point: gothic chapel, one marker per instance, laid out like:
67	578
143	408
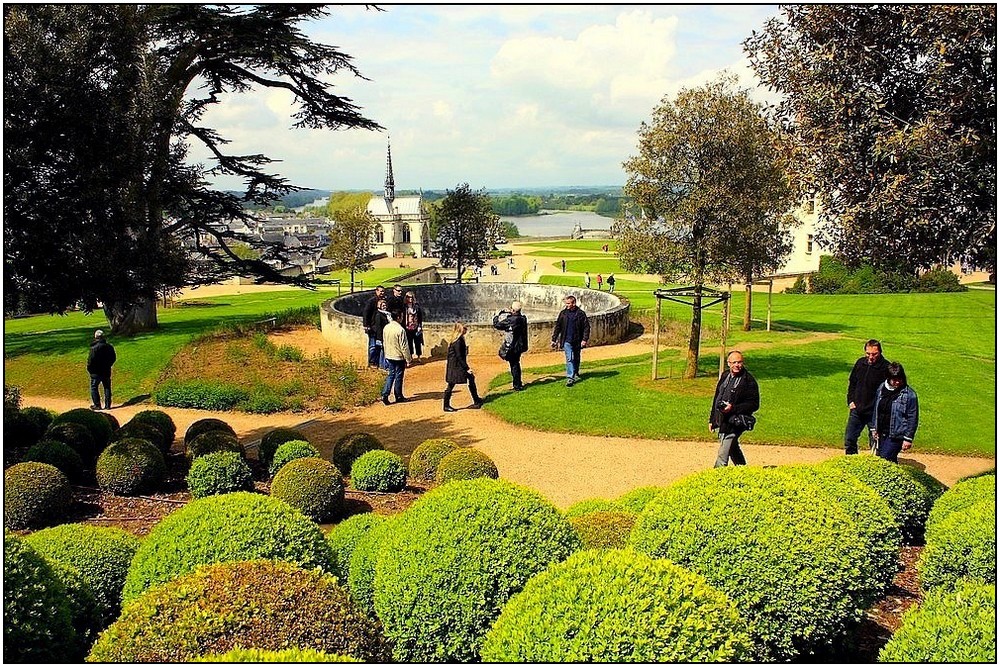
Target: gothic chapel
404	224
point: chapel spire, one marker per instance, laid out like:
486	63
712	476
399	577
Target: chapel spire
390	185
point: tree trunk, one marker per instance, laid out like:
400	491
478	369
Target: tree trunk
694	342
128	320
748	306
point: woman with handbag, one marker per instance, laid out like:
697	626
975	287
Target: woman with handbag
457	370
413	323
516	327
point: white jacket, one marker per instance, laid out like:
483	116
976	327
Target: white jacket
394	341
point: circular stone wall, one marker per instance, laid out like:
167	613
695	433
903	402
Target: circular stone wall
476	304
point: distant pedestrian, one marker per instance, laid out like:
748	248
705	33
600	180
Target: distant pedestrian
611	282
413	322
586	279
397	357
868	374
516	324
564	266
99	362
494	270
510	262
457	371
895	415
571	333
534	266
367	321
737	397
600	281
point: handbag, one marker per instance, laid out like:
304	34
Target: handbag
506	345
745	422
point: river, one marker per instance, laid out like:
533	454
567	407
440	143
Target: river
557	223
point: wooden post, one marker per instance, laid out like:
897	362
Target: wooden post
725	332
770	291
656	336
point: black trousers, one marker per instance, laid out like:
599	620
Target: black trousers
514	360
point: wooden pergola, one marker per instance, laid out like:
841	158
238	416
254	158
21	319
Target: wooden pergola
687	296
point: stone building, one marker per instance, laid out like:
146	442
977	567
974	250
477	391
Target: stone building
404	224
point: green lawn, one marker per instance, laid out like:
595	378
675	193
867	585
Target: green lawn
580	244
370	278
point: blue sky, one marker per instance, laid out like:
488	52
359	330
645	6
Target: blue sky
497	96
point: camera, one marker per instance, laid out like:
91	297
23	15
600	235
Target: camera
722	405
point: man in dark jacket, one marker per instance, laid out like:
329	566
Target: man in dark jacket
571	333
737	397
99	362
368	322
868	373
517	324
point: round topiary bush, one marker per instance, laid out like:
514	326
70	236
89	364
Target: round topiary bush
273	439
112	421
311	485
591	505
76	436
160	420
907	498
466	463
963	495
263	604
37	625
217	473
361	571
781	549
963	545
214	441
351	446
289	451
378	470
637	499
296	655
453	560
216	529
102	555
932	486
950	626
345	537
100	429
26	427
617	606
130	467
86	615
428	454
34	495
604	529
145	431
57	454
990	472
204	426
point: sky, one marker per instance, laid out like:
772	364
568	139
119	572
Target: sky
497	96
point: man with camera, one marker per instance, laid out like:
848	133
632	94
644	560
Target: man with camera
737	397
516	324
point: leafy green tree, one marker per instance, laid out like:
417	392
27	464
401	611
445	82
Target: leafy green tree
894	110
710	185
243	251
467	228
341	203
351	239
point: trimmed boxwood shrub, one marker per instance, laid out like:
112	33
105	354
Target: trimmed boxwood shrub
160	420
453	560
466	463
637	499
34	495
214	441
311	485
217	473
296	655
289	451
617	606
57	454
932	486
963	495
604	529
102	555
349	447
963	545
112	421
99	427
345	537
983	473
39	417
428	454
361	571
950	626
263	604
906	497
204	426
786	560
26	427
216	529
145	431
273	439
86	615
591	505
378	470
37	626
76	436
130	467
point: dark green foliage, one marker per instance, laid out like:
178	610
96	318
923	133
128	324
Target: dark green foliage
617	606
34	495
216	529
966	493
11	399
293	655
86	615
262	400
76	436
219	472
604	529
799	287
26	427
637	499
351	446
98	426
834	277
130	467
160	420
37	626
466	463
57	454
311	485
102	555
361	570
263	604
345	537
199	394
786	560
949	626
379	470
112	421
932	486
427	455
455	557
214	441
289	451
940	279
273	439
962	545
591	505
145	431
204	426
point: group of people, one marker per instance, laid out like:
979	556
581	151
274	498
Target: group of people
394	325
600	281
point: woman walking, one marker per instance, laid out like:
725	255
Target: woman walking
457	371
895	417
413	322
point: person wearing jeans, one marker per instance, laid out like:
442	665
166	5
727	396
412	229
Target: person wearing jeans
517	324
868	374
397	357
895	415
571	333
99	362
737	397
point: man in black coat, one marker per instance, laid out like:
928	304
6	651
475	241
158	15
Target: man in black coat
868	373
368	322
517	324
571	333
737	397
99	362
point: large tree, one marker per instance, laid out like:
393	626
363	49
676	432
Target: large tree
711	189
100	104
467	228
894	110
351	240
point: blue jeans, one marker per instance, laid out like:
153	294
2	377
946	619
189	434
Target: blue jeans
95	395
729	448
394	381
855	425
889	449
373	351
572	360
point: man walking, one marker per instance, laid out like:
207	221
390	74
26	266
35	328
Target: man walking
571	333
368	322
737	397
868	373
397	356
99	362
611	283
517	324
586	279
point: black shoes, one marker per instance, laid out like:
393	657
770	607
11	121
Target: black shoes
476	405
385	400
402	399
95	407
448	408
